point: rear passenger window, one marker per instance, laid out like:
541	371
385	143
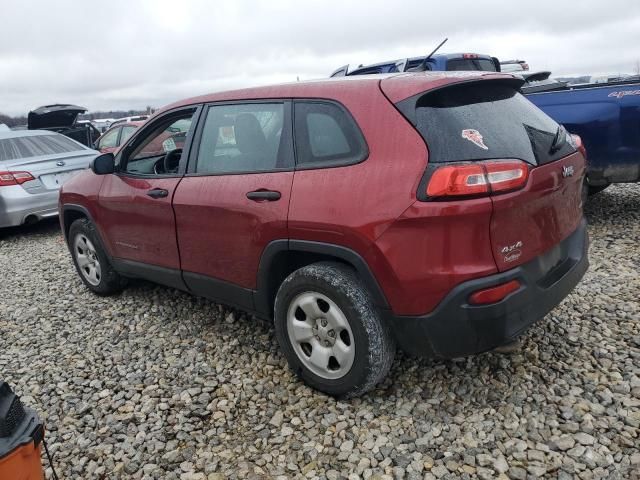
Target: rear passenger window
244	138
326	135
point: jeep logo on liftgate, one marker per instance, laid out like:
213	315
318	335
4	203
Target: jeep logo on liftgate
567	171
512	252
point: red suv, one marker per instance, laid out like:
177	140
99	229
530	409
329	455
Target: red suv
440	212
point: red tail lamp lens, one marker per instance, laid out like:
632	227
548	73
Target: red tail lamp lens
478	178
504	176
493	294
579	145
14	178
458	180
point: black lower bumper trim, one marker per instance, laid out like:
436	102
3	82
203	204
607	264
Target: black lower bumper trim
456	328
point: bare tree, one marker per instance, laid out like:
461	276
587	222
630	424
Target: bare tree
637	67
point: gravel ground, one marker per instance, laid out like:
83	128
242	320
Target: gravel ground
157	384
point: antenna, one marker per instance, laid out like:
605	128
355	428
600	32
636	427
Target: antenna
423	65
435	50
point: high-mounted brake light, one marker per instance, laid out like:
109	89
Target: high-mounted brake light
14	178
470	55
478	178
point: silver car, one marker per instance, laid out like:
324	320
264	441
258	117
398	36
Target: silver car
33	166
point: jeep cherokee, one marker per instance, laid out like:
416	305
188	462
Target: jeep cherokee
437	212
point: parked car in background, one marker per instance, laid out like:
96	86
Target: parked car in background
33	166
437	62
110	140
102	124
408	220
62	118
136	118
606	117
509	66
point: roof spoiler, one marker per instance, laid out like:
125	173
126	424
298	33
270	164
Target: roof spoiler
343	71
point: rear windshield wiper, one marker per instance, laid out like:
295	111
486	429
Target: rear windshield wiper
559	140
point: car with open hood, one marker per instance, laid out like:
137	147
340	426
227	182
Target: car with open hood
62	118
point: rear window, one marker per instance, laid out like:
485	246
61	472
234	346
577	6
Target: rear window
478	122
35	146
482	64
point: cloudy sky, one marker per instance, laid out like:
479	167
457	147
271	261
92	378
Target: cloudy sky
122	54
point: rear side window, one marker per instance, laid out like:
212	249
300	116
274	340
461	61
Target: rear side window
326	135
489	120
36	145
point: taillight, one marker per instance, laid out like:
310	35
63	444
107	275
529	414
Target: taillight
478	178
458	180
578	145
14	178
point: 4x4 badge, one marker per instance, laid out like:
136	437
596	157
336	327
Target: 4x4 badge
474	136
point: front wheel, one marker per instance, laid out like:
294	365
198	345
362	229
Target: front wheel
331	332
91	261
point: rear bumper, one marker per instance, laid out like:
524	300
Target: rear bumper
456	329
16	204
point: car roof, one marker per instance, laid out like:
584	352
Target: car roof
25	133
330	87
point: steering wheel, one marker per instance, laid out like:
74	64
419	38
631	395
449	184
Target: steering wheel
171	160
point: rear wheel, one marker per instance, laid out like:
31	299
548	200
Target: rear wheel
330	331
91	261
593	190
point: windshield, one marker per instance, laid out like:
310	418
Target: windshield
476	122
482	64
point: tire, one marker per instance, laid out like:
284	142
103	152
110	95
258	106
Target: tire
358	354
593	190
91	261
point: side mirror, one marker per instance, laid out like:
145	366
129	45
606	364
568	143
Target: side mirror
103	164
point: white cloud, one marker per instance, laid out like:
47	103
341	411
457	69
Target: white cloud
123	54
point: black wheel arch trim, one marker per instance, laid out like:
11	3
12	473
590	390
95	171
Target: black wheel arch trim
263	301
72	207
82	209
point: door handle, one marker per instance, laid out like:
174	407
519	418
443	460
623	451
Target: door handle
158	193
263	195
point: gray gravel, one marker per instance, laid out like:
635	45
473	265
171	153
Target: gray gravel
157	384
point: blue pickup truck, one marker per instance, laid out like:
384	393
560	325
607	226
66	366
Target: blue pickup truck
606	116
433	62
